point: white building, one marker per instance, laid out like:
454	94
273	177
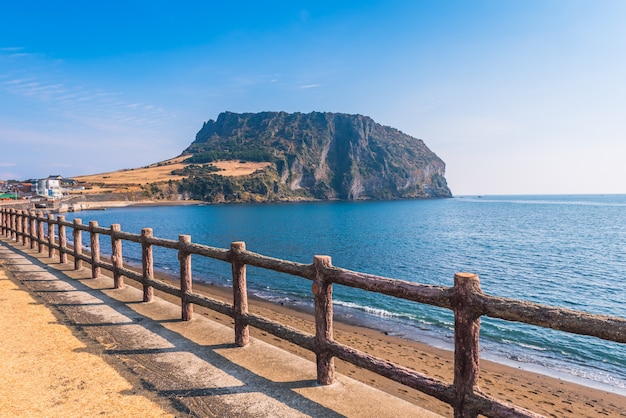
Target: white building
50	187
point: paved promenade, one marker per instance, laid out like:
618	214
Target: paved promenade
191	368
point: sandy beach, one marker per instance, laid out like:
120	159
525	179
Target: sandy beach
539	393
45	357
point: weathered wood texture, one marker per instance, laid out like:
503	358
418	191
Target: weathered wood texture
466	331
240	295
323	295
18	224
78	244
116	257
25	227
32	230
41	232
51	228
94	242
431	386
184	258
465	299
14	224
62	240
147	265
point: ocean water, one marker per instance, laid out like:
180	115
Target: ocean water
567	251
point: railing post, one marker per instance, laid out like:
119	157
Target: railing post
466	349
323	293
25	227
33	229
62	240
40	232
116	256
50	235
2	221
185	277
14	224
94	243
11	224
7	223
20	227
147	264
78	244
240	296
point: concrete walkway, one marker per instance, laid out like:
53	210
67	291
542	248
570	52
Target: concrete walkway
193	364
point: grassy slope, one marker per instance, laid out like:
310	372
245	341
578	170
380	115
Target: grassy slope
130	180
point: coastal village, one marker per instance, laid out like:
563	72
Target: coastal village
60	194
51	187
57	194
52	192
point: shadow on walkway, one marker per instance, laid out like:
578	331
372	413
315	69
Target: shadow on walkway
194	364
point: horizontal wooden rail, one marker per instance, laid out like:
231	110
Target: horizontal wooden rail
465	299
283	266
426	294
608	328
206	251
411	378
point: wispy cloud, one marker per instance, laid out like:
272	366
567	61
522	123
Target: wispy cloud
309	86
14	51
7	164
30	87
38	81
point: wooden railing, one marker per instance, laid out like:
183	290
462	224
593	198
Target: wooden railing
465	299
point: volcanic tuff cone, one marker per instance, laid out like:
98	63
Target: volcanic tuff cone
311	156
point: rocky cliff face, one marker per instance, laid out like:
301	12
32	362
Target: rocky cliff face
322	156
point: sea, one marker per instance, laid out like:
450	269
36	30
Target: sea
560	250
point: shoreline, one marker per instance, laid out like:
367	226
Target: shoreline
375	324
375	342
431	342
360	320
539	392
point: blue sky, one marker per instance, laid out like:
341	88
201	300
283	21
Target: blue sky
516	96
